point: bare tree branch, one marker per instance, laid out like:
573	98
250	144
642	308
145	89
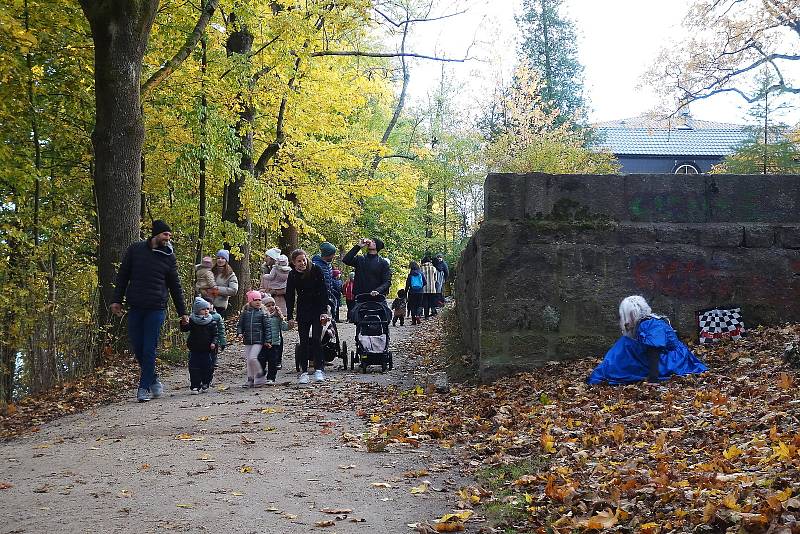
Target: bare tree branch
180	56
358	53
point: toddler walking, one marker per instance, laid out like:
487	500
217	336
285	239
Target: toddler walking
254	331
270	358
399	308
202	343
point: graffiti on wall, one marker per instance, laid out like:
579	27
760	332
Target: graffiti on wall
682	278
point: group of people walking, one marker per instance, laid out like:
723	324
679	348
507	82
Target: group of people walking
304	292
424	290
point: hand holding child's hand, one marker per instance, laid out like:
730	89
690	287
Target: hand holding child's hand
292	323
268	345
213	346
239	337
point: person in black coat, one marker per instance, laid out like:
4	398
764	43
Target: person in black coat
372	272
306	285
147	272
202	343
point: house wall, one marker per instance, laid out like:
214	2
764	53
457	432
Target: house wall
633	164
543	277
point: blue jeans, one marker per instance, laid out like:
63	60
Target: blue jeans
144	329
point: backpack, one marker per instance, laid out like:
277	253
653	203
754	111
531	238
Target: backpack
416	281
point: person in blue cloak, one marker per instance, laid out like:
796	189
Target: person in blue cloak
649	349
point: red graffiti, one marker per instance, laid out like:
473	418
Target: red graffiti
681	278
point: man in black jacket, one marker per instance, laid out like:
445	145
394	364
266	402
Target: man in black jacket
373	276
372	272
148	271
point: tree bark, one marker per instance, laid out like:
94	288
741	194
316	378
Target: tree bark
241	42
120	31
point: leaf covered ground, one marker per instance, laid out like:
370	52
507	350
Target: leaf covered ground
711	453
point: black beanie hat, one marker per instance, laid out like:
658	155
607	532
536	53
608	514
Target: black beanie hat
378	243
160	226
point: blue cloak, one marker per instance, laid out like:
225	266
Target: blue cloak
626	360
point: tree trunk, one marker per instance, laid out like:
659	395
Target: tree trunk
241	42
120	31
202	204
290	237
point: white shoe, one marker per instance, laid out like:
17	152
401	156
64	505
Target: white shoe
269	382
303	378
319	376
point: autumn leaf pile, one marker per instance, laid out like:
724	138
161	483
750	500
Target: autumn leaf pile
708	453
109	382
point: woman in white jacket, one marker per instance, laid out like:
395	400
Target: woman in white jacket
227	283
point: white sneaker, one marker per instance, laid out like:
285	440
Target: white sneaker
319	376
303	379
269	382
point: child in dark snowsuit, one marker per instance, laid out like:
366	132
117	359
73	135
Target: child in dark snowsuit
202	343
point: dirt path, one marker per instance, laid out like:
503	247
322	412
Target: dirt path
232	460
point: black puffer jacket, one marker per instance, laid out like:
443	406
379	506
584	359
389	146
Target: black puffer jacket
145	276
201	336
311	293
254	326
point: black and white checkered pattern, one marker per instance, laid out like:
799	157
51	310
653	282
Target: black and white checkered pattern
716	324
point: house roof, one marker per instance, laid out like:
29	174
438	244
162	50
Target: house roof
681	136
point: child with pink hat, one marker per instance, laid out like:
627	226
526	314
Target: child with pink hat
253	330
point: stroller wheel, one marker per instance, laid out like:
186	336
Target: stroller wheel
363	368
344	356
391	363
383	367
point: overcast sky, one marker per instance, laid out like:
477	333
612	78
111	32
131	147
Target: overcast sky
618	40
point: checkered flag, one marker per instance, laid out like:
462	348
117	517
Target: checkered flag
716	324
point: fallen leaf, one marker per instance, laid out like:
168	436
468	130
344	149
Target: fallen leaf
6	485
325	523
336	511
381	485
183	505
422	488
245	469
343	466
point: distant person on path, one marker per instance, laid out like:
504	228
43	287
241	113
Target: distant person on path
337	292
648	349
349	295
399	308
202	343
254	332
227	283
429	291
306	286
204	279
323	260
443	273
270	358
415	284
147	272
274	282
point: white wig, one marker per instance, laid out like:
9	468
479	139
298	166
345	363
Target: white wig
631	311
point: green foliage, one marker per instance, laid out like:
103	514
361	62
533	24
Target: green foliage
534	139
549	47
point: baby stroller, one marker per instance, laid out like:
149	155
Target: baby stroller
329	344
372	333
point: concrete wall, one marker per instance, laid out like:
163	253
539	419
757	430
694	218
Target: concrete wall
542	278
